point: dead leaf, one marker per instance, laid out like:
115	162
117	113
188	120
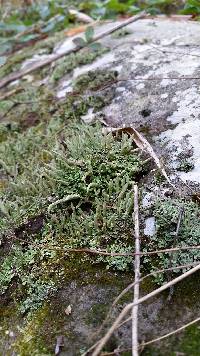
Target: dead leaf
29	78
141	142
68	310
75	31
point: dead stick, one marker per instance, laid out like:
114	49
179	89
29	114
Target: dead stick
137	275
126	290
10	93
129	306
17	75
102	252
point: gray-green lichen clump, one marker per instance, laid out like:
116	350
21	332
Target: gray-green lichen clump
75	191
166	212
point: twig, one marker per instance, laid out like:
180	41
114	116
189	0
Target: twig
147	276
17	75
129	306
102	252
175	249
10	93
137	275
154	340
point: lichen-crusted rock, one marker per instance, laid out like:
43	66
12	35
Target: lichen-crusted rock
158	67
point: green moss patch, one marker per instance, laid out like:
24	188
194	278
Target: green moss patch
94	80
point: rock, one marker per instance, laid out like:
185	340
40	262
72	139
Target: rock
158	88
150	227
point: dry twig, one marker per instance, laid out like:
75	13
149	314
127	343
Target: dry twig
105	253
137	275
141	143
171	333
10	93
80	16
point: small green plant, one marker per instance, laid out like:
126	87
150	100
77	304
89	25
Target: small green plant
94	80
191	7
87	41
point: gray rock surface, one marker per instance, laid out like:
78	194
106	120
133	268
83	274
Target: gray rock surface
158	67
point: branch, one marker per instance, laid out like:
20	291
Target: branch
102	252
10	93
17	75
137	275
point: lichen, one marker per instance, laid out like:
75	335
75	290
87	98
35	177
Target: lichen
166	213
98	169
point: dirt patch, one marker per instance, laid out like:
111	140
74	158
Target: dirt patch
33	226
32	119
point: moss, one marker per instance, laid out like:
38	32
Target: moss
27	108
94	80
190	344
121	33
31	340
38	331
185	166
35	105
67	64
44	46
186	343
